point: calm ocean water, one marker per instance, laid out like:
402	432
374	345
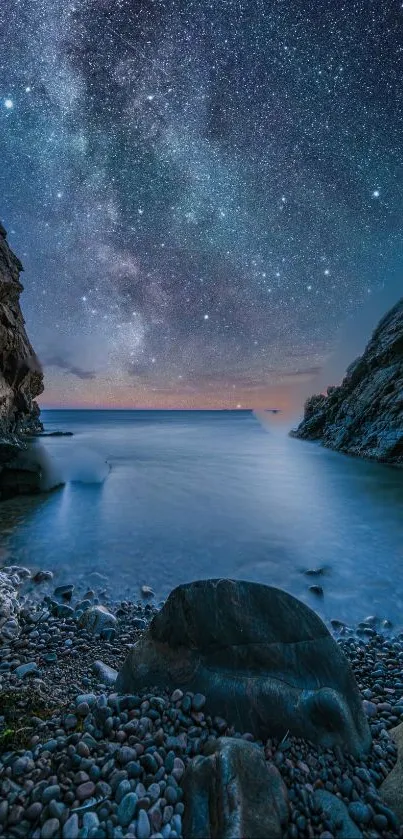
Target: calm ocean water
200	494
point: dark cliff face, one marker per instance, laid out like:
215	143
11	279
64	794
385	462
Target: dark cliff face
364	416
21	378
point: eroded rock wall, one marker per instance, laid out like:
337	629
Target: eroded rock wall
364	416
21	378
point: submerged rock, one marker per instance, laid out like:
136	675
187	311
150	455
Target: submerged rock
234	794
364	416
264	660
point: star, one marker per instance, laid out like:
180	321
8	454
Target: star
162	162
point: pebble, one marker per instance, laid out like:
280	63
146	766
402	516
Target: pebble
132	751
50	829
85	790
127	809
143	825
24	670
107	674
359	812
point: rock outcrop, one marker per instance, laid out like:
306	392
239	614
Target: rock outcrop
234	794
364	416
264	660
392	788
21	381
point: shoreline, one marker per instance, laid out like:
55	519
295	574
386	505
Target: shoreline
63	728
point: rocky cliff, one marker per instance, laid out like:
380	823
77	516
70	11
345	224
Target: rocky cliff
21	378
364	416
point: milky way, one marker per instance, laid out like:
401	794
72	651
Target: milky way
200	192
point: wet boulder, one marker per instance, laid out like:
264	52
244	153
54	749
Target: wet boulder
264	660
233	794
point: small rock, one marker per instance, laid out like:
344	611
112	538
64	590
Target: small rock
96	619
50	829
106	674
147	591
359	812
198	701
29	669
42	577
71	827
127	809
318	590
85	790
337	814
143	825
370	708
66	592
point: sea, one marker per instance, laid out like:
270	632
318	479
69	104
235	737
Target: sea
160	498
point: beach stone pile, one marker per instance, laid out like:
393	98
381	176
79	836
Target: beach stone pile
11	579
79	759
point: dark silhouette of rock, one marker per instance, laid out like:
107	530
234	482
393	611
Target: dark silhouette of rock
364	416
21	381
234	794
264	660
391	791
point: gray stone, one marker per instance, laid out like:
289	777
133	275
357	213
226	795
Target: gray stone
107	675
266	662
24	670
50	829
96	619
64	591
360	812
71	827
127	809
90	821
87	698
52	792
233	793
337	814
143	825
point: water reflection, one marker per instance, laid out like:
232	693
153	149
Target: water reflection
195	495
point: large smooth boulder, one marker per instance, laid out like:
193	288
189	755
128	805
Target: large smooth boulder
265	661
234	794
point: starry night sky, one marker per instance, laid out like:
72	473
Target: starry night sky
200	192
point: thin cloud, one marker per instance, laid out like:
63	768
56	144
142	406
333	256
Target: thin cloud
63	364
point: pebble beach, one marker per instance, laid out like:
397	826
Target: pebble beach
77	760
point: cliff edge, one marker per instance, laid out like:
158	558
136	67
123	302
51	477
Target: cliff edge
364	416
21	381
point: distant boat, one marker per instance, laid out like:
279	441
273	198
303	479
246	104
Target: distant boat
272	411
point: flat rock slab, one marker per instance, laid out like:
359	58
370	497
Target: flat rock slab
234	794
264	660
